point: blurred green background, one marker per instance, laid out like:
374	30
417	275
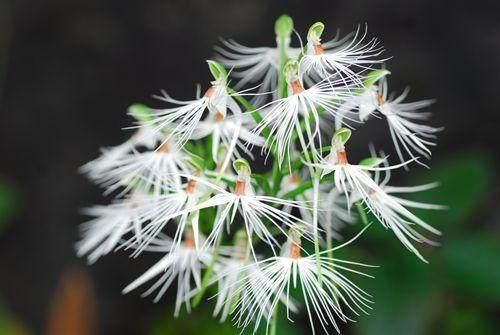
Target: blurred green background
69	69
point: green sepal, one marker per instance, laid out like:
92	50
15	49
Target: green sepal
371	161
373	76
241	166
140	112
218	71
315	31
342	135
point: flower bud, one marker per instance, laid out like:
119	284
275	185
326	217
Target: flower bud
141	113
291	71
283	26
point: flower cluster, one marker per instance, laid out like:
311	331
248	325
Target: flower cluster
184	187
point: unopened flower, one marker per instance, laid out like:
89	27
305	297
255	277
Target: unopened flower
329	296
183	263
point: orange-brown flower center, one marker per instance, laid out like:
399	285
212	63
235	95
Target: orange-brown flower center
189	241
209	92
318	49
295	250
296	87
163	148
219	116
342	157
191	185
380	100
240	187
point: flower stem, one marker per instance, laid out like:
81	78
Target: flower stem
208	274
362	213
274	322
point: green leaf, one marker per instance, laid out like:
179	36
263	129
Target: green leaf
463	185
405	299
9	325
471	264
9	204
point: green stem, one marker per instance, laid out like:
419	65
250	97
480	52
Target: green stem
249	107
302	188
282	85
362	213
274	322
207	276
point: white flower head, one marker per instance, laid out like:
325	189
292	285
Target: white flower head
175	207
106	162
392	211
102	234
283	116
233	133
155	170
346	61
333	211
255	210
328	297
183	263
407	133
180	122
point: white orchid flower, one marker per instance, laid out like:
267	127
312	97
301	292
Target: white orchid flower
183	263
332	297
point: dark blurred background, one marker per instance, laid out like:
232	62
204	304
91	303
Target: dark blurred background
69	69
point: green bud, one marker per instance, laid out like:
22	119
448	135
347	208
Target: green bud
291	70
373	76
242	167
371	161
241	237
141	113
283	26
218	71
341	136
315	32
